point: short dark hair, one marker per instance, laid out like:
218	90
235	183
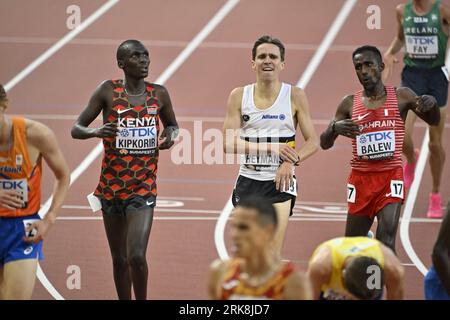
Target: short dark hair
356	276
268	39
2	93
124	46
371	49
265	209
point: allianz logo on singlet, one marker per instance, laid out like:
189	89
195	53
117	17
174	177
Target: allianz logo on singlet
273	117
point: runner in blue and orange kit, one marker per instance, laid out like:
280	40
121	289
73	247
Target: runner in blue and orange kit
23	145
132	109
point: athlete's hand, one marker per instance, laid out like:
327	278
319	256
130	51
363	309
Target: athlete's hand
108	130
167	137
10	199
285	152
346	128
284	177
37	231
425	103
389	61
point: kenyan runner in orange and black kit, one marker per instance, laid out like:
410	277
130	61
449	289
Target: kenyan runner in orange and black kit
132	109
131	159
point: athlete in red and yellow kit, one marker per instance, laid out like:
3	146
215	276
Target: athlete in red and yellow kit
374	119
132	109
256	271
23	145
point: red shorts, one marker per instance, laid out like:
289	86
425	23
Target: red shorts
369	192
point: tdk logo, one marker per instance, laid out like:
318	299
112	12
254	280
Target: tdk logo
8	185
377	136
138	132
273	117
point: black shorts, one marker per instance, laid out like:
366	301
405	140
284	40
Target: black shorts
427	81
246	187
122	207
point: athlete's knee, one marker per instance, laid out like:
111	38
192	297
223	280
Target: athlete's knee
436	148
120	262
137	260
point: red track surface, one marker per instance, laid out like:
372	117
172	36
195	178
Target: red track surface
180	250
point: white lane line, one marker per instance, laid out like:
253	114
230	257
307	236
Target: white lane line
219	235
409	207
326	43
210	26
220	15
58	45
412	195
29	69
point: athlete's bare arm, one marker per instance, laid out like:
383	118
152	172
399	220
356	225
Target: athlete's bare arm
424	106
303	118
298	287
168	119
445	15
216	273
44	140
100	100
396	45
394	273
441	258
232	143
319	271
340	125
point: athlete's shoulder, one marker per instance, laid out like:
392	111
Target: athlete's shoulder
444	10
237	92
235	98
297	92
400	8
219	266
38	133
107	85
217	272
105	89
157	87
347	102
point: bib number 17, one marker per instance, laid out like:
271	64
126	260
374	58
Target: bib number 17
397	189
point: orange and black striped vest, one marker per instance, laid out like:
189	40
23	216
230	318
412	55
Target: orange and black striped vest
130	160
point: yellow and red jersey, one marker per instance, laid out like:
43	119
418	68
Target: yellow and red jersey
233	287
18	173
